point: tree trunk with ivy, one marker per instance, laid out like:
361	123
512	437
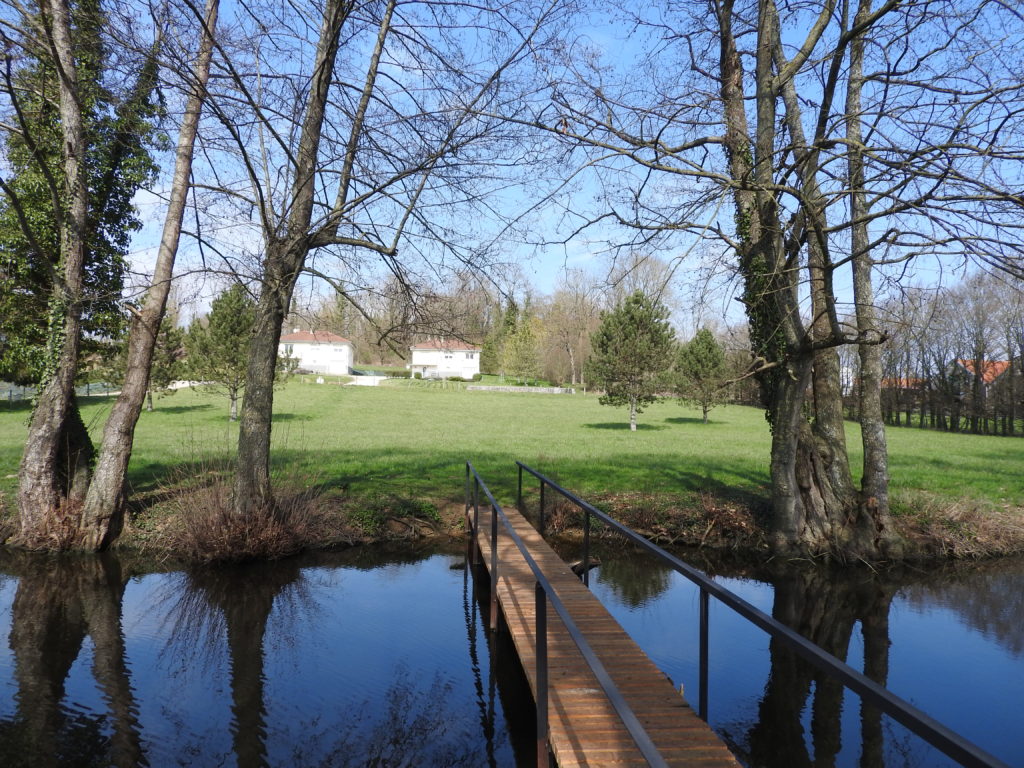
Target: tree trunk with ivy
54	471
815	509
103	514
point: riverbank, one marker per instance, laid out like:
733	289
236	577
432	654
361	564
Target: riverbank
363	464
194	525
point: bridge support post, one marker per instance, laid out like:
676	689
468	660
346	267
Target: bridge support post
541	602
702	701
494	568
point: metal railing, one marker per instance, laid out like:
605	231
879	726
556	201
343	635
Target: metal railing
935	733
544	593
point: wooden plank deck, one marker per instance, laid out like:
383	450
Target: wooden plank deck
584	728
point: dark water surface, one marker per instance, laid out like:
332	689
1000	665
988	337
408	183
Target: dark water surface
350	659
377	657
950	641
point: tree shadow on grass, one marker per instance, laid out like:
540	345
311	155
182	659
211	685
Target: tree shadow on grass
292	417
439	475
620	425
14	406
690	420
181	408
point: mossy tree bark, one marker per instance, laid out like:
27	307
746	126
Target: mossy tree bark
815	506
103	513
46	491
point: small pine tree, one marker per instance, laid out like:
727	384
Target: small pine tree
633	348
166	366
218	350
701	372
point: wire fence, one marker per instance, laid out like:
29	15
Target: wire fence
12	394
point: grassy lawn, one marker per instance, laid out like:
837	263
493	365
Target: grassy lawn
414	440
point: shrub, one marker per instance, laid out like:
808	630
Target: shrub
477	376
417	375
205	529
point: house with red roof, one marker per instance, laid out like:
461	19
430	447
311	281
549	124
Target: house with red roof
442	358
990	369
318	352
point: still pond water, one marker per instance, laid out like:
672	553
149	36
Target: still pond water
377	657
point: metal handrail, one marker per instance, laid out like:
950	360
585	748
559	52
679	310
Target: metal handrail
544	592
932	731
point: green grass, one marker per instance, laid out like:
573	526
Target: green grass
413	440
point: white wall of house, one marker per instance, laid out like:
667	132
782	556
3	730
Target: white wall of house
326	354
442	363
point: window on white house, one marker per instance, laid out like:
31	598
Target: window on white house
469	355
288	349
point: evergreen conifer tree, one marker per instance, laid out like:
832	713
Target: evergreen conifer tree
218	349
701	371
633	348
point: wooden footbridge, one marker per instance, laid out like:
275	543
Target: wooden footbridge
600	700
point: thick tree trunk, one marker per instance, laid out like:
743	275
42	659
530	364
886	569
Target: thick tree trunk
284	259
43	500
826	378
252	492
874	507
814	501
103	515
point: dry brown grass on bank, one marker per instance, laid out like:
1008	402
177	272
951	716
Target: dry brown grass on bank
686	519
933	527
936	527
201	526
191	520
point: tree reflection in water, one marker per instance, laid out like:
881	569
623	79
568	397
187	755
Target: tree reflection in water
821	604
635	581
253	666
207	605
824	607
417	728
60	601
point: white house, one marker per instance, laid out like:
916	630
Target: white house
441	359
318	351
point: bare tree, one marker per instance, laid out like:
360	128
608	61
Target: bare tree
104	503
569	317
350	133
725	105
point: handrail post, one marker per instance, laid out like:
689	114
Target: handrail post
541	601
586	547
494	568
476	520
541	515
702	701
519	489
